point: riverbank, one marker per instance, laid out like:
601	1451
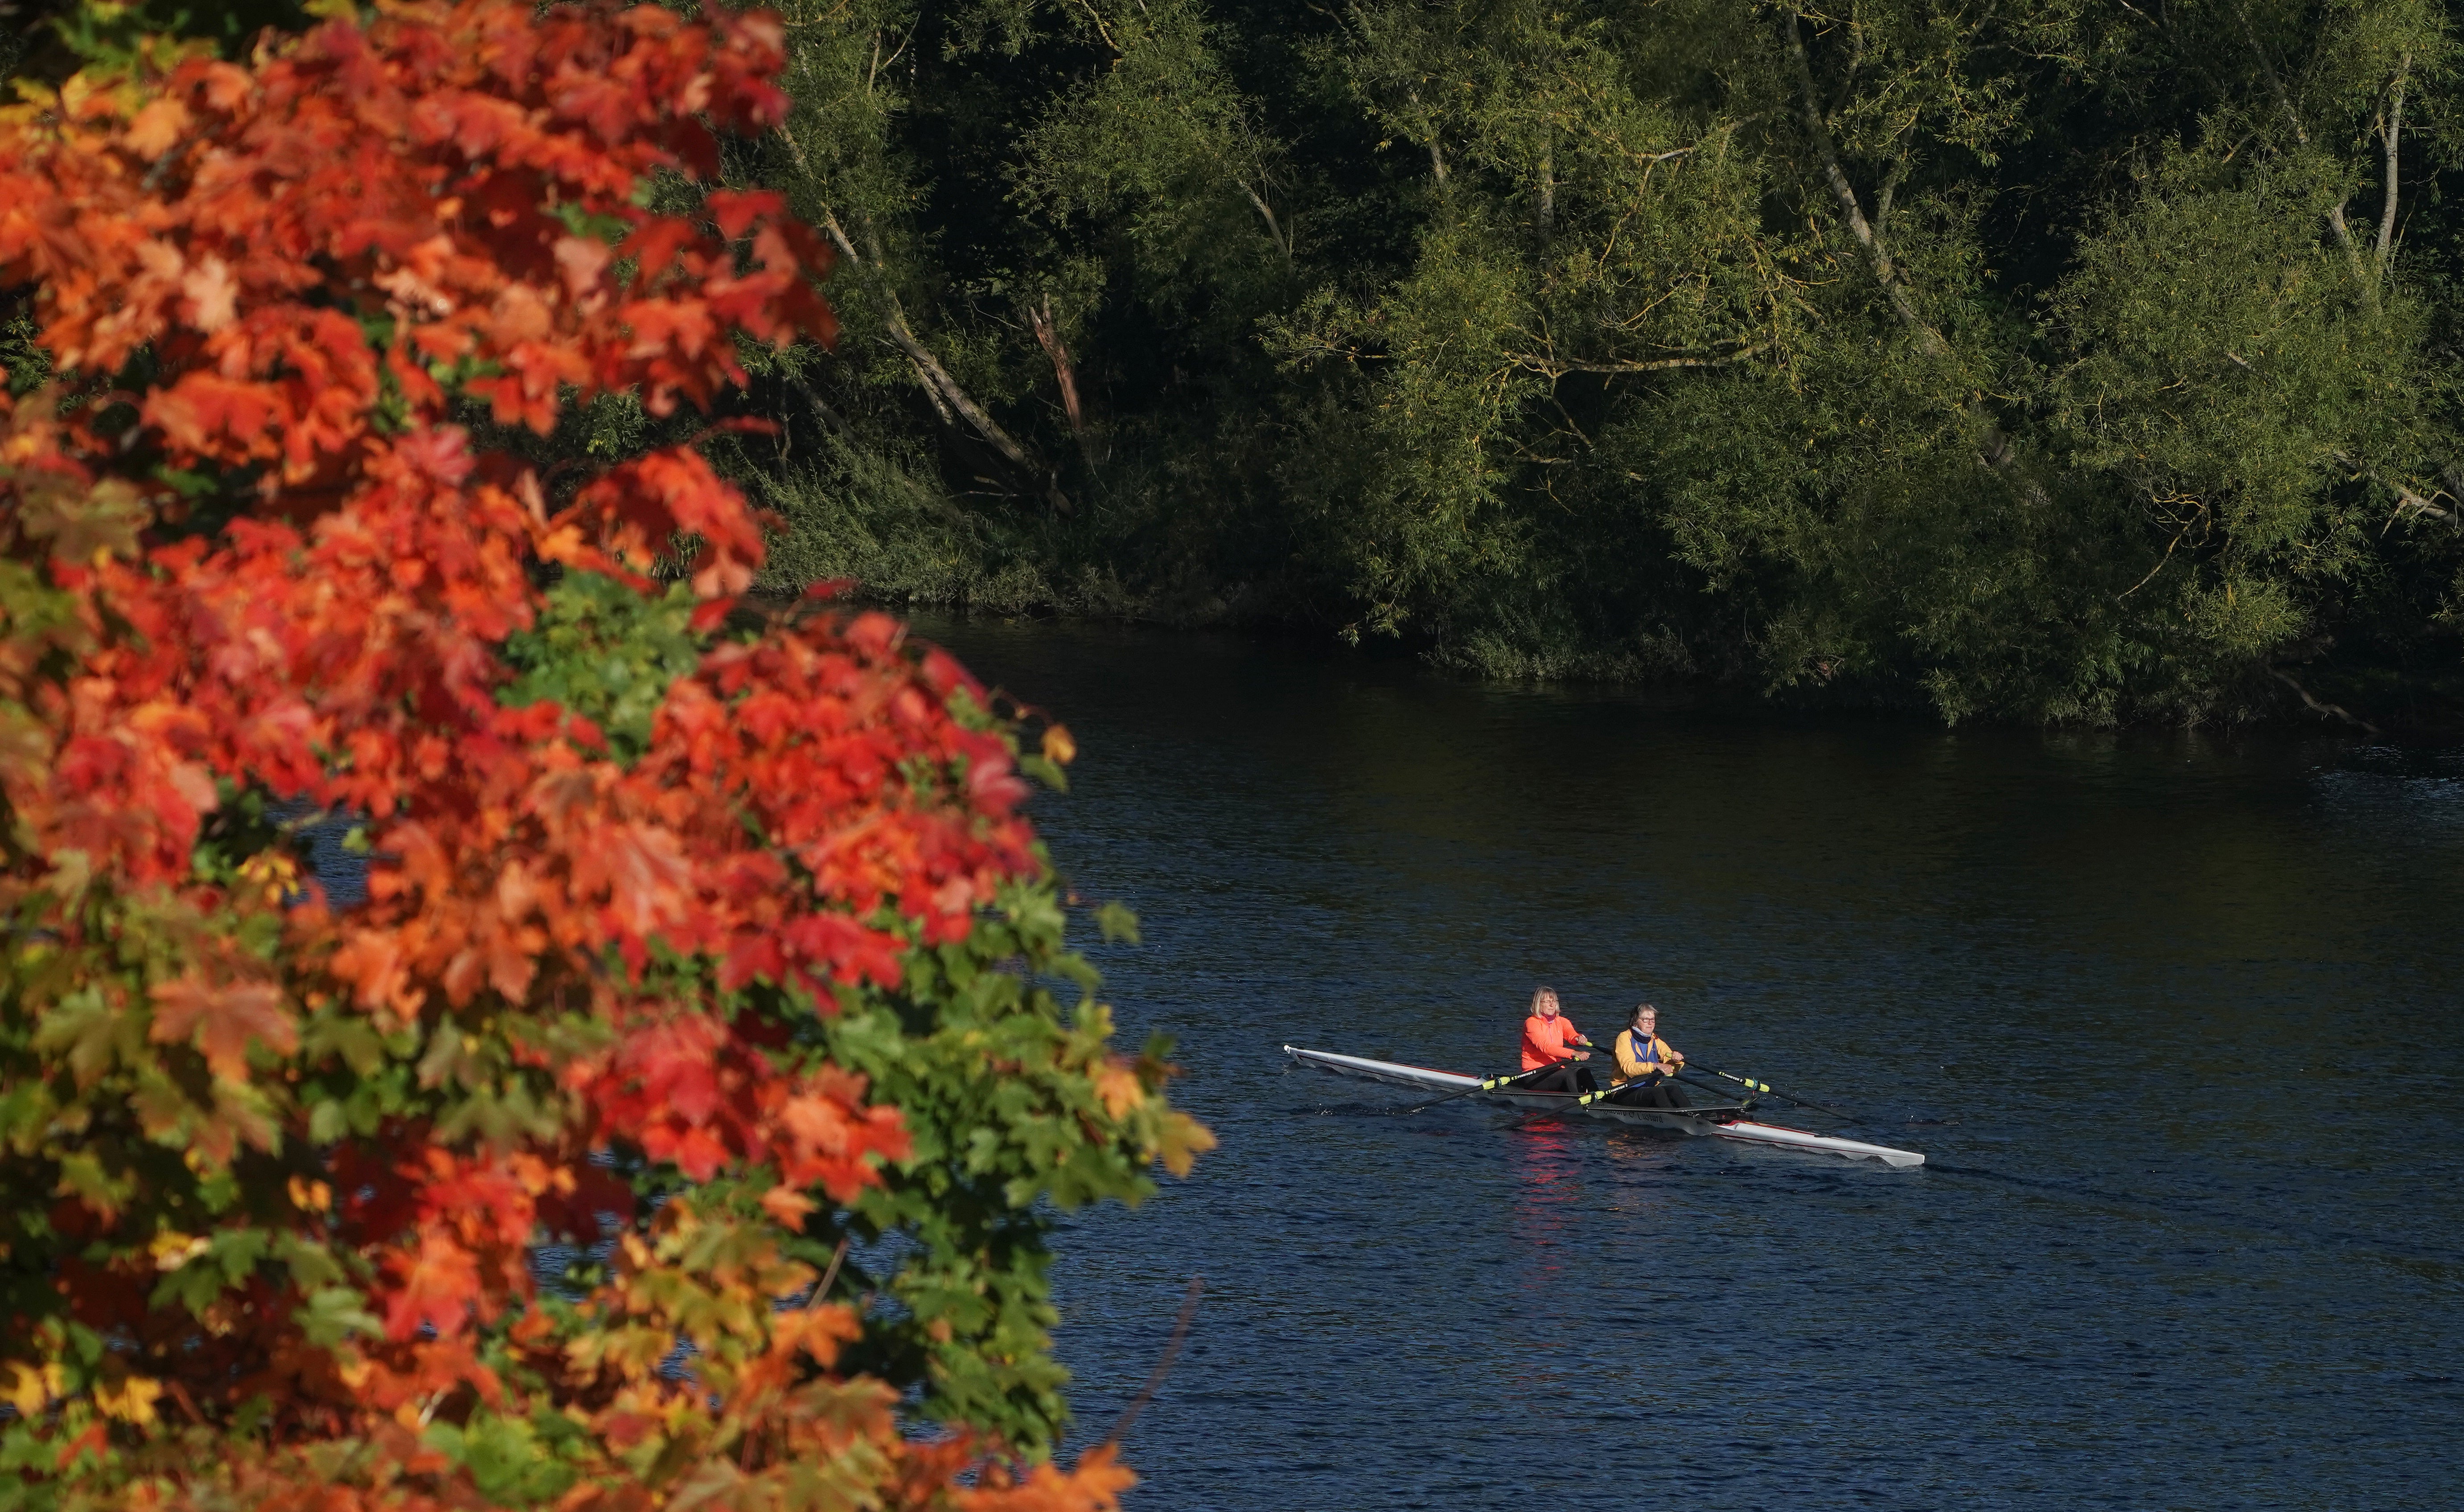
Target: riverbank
2362	702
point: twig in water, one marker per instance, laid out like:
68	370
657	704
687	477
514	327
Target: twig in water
1164	1366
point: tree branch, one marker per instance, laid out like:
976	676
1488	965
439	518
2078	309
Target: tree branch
2407	500
1878	253
2319	706
2393	129
1101	29
1437	158
945	390
1049	337
1993	448
823	411
1883	198
1558	367
2300	135
1275	231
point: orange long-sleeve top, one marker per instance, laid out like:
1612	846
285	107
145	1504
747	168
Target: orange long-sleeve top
1547	1042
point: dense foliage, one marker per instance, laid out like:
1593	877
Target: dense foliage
707	950
2077	359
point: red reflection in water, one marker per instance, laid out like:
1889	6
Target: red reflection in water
1548	1192
1545	1223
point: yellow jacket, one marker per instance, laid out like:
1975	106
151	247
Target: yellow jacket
1635	1060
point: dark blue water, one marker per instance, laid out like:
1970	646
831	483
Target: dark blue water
2180	1015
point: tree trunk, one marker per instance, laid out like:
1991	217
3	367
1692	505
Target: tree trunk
2390	133
945	391
1993	446
1049	337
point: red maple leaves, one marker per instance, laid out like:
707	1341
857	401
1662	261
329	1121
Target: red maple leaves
260	556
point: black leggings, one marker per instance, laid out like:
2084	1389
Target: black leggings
1651	1091
1563	1077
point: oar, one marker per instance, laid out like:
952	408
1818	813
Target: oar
1486	1085
1750	1085
1603	1094
1717	1090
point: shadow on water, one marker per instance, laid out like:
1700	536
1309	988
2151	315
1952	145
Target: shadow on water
2173	1018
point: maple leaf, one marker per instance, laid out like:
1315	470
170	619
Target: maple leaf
213	294
79	522
1118	1087
223	1019
156	127
436	1285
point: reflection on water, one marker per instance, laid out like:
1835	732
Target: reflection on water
2173	1018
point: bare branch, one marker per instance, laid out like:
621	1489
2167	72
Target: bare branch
2407	500
2159	567
880	62
1103	31
942	389
1890	187
2300	135
1848	77
1558	367
830	223
1878	254
823	411
1049	337
2319	706
1275	231
2392	130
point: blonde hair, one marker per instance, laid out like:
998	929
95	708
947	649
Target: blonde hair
1540	993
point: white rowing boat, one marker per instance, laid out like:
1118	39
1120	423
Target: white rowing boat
1724	1121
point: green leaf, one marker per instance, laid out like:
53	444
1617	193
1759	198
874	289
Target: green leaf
607	653
334	1314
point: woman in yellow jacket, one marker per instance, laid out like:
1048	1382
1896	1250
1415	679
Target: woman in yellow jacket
1647	1065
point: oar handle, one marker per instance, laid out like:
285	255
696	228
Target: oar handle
1589	1098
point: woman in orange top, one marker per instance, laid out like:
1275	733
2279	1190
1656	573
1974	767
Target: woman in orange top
1550	1039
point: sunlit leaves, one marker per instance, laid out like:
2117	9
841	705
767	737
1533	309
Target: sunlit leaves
283	1166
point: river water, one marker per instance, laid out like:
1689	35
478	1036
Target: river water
2173	1018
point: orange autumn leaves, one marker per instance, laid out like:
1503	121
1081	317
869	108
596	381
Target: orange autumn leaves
274	1173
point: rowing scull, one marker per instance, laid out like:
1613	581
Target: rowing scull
1725	1120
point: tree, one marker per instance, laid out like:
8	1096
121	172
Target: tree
708	943
1886	351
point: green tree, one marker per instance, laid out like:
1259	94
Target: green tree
2072	361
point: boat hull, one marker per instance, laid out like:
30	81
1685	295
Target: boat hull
1721	1123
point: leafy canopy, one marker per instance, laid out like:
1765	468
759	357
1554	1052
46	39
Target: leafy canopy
2017	358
